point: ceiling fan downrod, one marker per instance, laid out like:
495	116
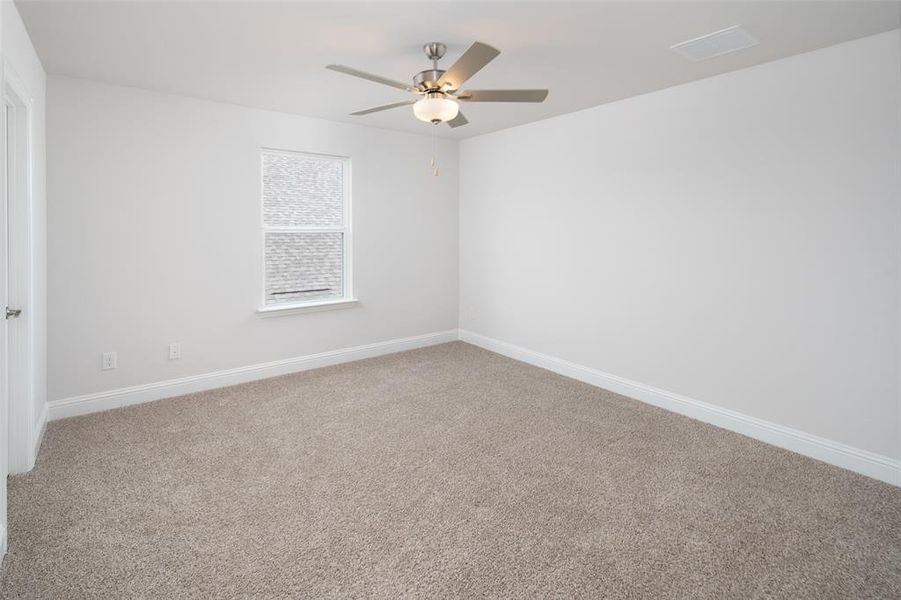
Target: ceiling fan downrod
426	82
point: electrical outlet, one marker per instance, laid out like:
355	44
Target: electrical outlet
174	351
110	361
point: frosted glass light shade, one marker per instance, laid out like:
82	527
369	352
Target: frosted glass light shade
436	109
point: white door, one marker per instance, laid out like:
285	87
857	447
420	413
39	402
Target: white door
4	331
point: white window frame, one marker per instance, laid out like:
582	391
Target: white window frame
348	299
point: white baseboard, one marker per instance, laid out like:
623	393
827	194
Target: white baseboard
841	455
2	542
89	403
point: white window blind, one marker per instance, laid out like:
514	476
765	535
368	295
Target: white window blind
306	236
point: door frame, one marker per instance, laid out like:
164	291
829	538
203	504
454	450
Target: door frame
20	281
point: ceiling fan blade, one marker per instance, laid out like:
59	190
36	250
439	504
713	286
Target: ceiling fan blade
477	56
376	78
458	120
502	95
380	108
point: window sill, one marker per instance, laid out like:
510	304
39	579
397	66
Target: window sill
308	307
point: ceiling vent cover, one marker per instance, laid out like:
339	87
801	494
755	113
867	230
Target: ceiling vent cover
717	43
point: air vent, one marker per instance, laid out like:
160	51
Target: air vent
717	43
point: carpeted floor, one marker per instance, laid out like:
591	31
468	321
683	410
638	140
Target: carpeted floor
443	472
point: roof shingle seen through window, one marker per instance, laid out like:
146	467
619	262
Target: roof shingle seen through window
303	266
301	191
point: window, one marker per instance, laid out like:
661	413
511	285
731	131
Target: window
306	229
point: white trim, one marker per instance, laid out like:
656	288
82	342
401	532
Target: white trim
293	309
40	428
89	403
841	455
304	229
2	542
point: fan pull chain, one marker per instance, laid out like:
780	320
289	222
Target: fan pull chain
434	163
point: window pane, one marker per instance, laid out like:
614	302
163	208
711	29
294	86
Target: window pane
303	266
301	191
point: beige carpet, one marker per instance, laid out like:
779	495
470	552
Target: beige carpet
442	472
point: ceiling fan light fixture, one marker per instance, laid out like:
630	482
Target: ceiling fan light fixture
436	108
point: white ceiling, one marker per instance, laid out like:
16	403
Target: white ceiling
271	55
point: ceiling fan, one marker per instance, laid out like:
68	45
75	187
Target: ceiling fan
439	92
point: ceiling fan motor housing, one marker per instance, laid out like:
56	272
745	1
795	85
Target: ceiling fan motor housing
427	81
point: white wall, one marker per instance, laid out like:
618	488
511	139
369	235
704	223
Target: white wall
735	240
21	64
154	229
